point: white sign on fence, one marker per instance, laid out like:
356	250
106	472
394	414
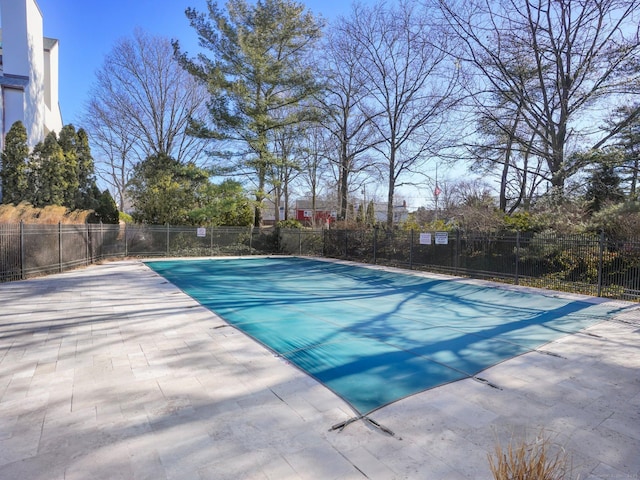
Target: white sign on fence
201	232
442	238
425	239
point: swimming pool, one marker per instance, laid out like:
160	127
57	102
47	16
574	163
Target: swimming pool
375	336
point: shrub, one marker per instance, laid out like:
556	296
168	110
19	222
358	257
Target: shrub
519	221
291	223
125	217
621	220
539	459
563	216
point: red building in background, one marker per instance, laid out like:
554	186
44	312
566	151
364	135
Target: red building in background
324	214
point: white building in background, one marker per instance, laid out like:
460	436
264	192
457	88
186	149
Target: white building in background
28	72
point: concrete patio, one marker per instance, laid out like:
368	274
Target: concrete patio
110	372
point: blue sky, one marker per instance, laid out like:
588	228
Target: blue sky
87	30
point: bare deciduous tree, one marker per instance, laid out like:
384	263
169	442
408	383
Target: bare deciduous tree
411	83
558	62
140	106
498	153
348	117
285	167
316	149
114	146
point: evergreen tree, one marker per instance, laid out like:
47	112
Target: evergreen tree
603	187
371	214
629	141
59	171
14	164
259	76
360	214
47	179
106	208
81	193
88	197
68	143
165	191
224	204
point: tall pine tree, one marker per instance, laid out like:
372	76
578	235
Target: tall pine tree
259	76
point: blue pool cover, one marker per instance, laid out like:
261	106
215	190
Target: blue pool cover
374	336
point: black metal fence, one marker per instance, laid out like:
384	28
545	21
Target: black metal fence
27	249
589	264
31	249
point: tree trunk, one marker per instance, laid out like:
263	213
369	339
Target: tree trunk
344	180
392	184
634	180
504	178
257	222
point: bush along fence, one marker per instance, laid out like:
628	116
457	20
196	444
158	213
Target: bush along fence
588	264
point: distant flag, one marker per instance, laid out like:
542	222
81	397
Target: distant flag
437	191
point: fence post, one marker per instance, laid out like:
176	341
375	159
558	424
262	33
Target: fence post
346	242
375	244
600	262
211	244
167	239
59	246
126	242
300	241
411	251
87	250
21	249
517	255
456	264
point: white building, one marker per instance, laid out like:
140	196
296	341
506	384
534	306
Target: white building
28	72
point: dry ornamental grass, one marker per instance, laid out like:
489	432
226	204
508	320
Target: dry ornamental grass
49	215
540	459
